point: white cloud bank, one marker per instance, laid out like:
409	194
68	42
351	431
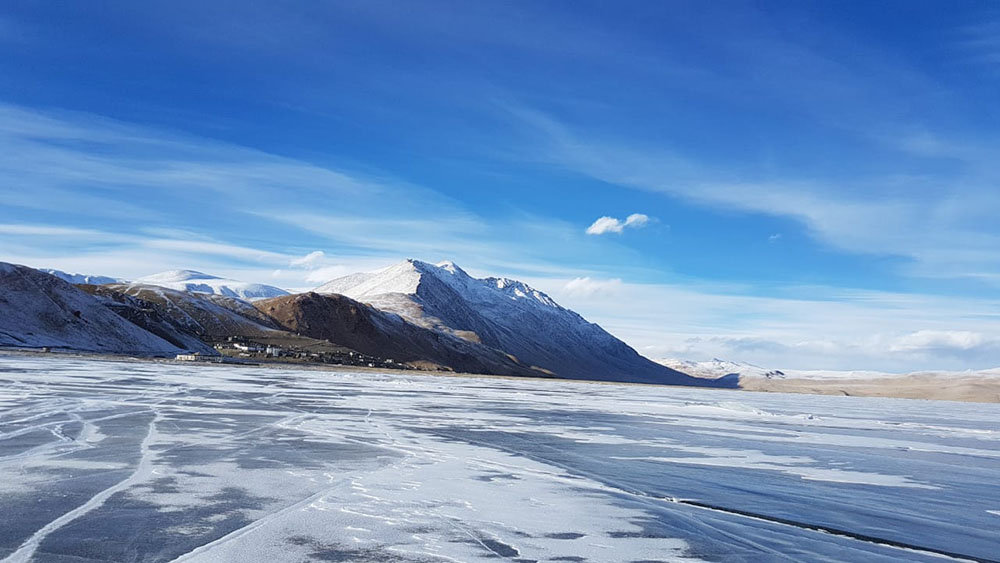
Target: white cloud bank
604	225
812	327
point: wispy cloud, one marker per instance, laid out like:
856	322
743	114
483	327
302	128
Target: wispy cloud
822	130
588	287
935	222
132	171
310	259
981	42
227	208
46	231
198	247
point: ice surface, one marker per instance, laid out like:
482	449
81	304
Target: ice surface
114	461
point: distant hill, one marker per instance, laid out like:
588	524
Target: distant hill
81	278
720	368
198	282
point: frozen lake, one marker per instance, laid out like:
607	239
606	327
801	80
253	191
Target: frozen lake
111	461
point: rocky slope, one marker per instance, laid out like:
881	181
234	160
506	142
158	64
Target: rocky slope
208	317
38	309
506	315
148	316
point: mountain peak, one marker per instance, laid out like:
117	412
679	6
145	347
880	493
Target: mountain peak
503	314
407	276
436	269
403	277
450	267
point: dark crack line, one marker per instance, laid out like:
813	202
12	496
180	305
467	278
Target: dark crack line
829	530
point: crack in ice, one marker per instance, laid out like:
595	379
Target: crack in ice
143	470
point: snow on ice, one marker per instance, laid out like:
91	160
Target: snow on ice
162	462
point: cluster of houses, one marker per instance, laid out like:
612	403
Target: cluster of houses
238	347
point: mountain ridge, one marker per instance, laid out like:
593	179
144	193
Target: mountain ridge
430	316
199	282
81	278
504	314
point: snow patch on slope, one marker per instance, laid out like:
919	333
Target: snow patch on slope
718	368
81	278
504	314
197	282
405	277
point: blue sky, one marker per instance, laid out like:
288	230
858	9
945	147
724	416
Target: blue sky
821	180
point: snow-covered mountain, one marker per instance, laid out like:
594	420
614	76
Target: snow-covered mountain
197	282
504	314
38	309
81	278
719	368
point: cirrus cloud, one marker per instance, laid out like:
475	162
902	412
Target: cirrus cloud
308	260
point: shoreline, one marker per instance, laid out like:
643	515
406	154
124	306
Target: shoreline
127	358
966	389
970	389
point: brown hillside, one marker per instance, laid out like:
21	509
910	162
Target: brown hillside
346	322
